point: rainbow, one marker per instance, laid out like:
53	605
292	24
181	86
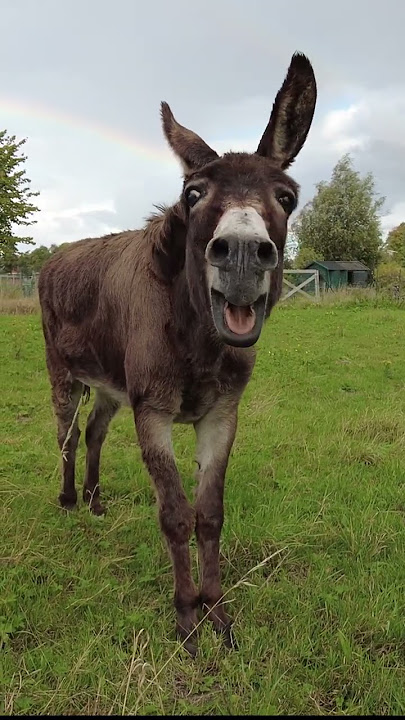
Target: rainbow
161	155
47	114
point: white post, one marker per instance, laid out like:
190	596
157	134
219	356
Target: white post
317	291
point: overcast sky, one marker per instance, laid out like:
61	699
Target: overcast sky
83	82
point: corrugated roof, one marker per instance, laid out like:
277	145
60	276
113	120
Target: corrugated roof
340	264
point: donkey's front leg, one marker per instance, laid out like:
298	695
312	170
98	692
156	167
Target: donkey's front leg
177	517
215	436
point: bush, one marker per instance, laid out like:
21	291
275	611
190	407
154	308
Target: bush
390	279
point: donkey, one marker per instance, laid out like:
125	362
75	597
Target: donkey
165	319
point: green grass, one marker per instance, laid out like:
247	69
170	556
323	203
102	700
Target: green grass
316	482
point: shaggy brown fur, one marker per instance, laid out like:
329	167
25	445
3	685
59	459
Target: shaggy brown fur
129	315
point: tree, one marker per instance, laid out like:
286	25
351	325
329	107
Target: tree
32	262
341	222
15	194
395	245
289	250
305	255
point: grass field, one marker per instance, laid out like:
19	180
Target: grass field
313	542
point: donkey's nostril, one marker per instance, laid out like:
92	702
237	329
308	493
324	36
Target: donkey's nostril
219	250
267	254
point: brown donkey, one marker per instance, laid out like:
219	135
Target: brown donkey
164	319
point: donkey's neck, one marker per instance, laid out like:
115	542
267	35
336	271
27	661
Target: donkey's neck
194	329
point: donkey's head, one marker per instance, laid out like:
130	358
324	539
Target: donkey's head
237	207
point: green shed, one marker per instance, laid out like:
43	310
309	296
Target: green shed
334	274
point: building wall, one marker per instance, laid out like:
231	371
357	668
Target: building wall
334	279
360	278
338	278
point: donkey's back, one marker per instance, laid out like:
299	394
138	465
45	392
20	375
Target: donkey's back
77	282
93	296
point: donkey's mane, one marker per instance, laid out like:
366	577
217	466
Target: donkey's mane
160	225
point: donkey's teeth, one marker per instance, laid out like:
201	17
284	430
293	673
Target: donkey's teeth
240	320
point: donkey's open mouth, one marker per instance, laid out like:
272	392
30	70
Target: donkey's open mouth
238	325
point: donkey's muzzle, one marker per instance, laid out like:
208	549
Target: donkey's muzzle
239	280
240	258
242	254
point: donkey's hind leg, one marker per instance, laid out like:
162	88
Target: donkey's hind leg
99	419
66	392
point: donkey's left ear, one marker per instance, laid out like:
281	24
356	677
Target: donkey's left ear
292	114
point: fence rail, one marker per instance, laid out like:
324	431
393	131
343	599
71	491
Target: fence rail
15	284
313	277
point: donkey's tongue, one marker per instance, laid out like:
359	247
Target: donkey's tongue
240	320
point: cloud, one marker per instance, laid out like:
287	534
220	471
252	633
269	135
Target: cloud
57	223
393	218
338	132
219	70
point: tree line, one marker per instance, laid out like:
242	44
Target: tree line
341	222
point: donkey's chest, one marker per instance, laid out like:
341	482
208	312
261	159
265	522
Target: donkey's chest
199	393
201	388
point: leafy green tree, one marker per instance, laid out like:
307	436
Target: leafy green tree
32	261
342	221
38	257
305	255
395	245
23	264
15	195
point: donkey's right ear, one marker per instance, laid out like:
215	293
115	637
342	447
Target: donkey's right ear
191	150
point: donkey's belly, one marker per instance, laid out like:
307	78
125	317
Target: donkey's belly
195	402
188	418
105	387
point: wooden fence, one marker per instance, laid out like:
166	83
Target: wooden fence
15	284
293	289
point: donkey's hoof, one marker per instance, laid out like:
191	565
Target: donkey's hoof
97	509
228	636
93	503
68	502
188	641
229	639
191	648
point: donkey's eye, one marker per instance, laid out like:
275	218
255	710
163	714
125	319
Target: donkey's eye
192	196
286	201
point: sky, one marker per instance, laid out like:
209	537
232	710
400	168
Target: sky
83	81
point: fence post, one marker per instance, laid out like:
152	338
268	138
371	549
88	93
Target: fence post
317	290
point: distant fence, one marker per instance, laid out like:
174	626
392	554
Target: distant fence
308	279
306	283
14	284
